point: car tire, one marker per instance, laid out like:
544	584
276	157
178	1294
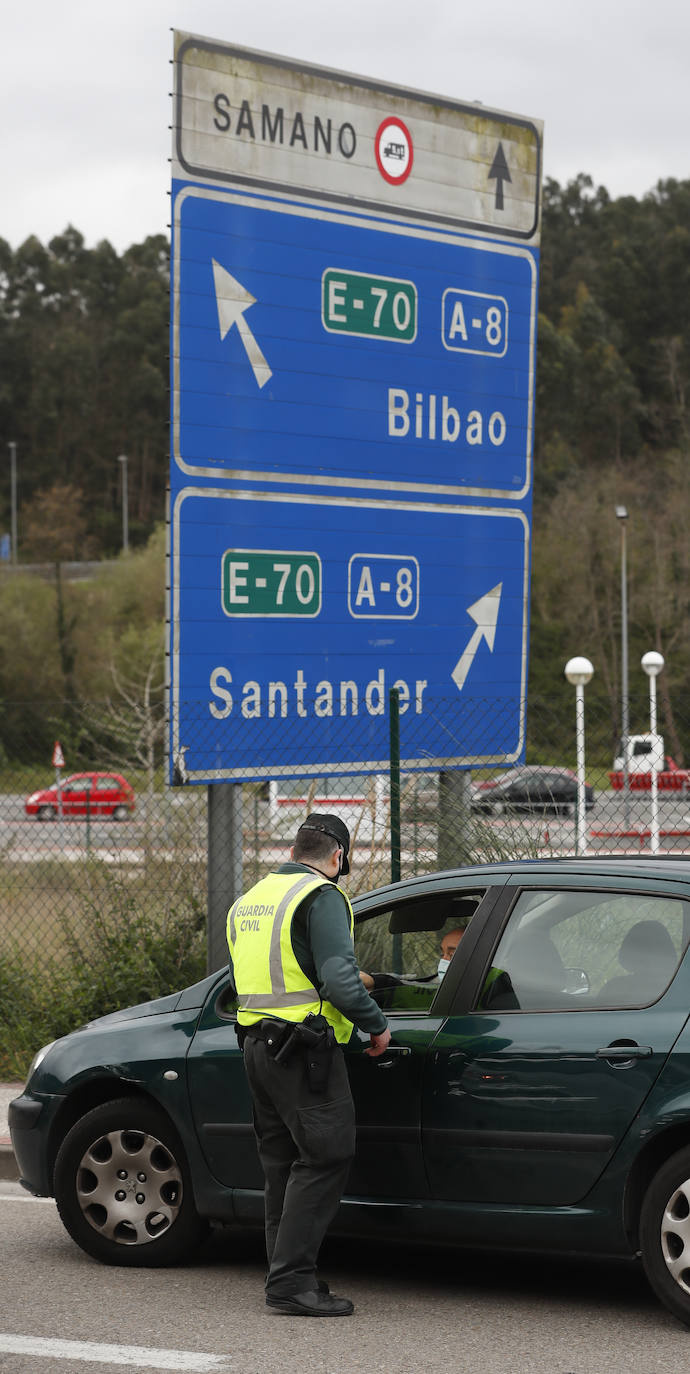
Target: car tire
664	1234
123	1188
46	813
120	813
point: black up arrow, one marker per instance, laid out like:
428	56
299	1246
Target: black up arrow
499	173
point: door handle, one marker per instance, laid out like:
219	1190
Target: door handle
385	1060
623	1054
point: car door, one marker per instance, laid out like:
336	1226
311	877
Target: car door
553	1045
399	939
74	797
105	795
562	791
532	791
545	791
219	1093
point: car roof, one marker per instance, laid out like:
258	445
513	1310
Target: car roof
677	867
103	773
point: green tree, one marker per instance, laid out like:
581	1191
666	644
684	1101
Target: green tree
83	361
54	527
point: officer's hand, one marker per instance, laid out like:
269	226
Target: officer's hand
379	1043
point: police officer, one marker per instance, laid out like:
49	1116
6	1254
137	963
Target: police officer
299	993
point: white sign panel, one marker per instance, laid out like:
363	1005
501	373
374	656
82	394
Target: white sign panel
293	128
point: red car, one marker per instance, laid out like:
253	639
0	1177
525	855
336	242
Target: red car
101	794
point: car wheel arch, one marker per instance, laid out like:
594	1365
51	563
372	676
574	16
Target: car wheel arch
647	1163
95	1092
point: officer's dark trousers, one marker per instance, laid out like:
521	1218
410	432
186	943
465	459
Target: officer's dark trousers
306	1141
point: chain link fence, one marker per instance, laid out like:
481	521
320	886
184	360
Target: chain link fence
108	896
90	850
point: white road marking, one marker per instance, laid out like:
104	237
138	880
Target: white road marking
138	1356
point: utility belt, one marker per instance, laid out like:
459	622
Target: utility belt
313	1037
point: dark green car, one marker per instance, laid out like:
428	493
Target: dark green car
536	1095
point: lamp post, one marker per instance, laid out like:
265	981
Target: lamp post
122	458
622	516
579	672
13	498
653	664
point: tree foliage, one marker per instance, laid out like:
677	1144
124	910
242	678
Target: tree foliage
104	700
83	362
612	427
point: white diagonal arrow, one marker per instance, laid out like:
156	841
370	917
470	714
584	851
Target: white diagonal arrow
485	613
232	300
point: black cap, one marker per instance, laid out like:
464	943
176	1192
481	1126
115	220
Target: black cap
333	826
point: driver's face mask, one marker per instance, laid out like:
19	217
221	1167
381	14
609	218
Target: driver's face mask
443	965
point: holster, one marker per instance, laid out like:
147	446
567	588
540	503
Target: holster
315	1038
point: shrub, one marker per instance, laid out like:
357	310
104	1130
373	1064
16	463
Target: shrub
118	958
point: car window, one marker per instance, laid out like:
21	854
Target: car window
556	785
401	947
570	950
105	784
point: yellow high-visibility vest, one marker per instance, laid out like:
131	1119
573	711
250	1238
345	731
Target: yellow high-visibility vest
268	978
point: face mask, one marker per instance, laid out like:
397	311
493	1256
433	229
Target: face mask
442	966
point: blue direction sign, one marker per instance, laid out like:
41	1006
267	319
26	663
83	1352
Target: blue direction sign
314	348
294	615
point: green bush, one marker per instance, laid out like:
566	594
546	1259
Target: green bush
119	958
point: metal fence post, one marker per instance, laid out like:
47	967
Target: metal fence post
454	818
394	707
224	874
394	714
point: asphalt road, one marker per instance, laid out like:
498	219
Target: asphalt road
23	837
415	1310
611	828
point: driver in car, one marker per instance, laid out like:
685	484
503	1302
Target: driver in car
373	982
449	944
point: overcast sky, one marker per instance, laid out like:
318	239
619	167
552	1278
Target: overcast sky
85	107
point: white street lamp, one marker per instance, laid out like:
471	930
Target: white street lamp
653	664
122	458
579	672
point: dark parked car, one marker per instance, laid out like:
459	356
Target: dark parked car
82	794
537	789
535	1097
